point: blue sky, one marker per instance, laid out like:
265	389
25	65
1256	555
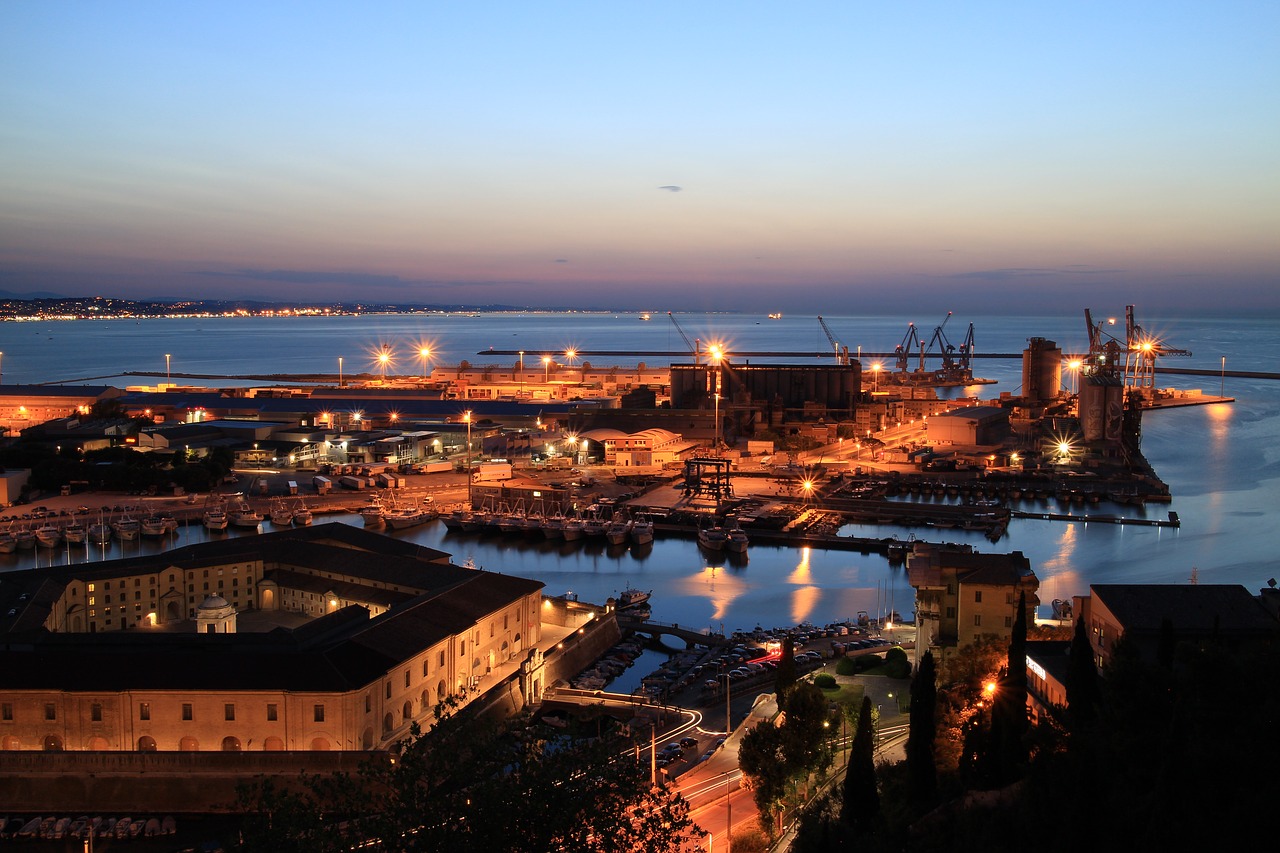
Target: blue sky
761	156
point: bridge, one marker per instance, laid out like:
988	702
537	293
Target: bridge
691	636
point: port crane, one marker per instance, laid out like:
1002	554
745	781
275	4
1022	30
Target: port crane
693	348
1140	351
841	352
952	368
910	342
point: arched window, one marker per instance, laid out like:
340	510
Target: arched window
230	744
388	723
441	691
426	700
407	710
10	743
273	744
189	744
52	743
146	743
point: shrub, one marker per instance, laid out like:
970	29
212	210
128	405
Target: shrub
897	663
846	666
824	680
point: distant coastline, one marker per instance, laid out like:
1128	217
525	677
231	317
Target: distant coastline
106	308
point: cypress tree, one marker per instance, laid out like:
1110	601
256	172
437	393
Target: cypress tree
861	807
1083	690
922	768
785	674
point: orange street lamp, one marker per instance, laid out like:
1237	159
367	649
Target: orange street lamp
424	353
875	374
546	369
383	358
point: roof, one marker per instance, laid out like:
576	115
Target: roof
1198	608
54	390
974	413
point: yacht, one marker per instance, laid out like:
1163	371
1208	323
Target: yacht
243	515
302	516
48	535
372	513
617	531
215	517
736	541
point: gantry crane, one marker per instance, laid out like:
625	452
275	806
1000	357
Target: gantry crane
1141	352
903	352
952	368
841	352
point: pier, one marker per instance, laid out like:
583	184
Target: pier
1173	520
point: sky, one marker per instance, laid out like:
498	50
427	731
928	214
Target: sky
754	156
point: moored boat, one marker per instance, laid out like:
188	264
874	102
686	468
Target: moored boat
736	540
712	538
153	527
281	515
553	527
641	531
572	530
25	537
632	597
617	531
215	517
74	533
48	536
243	515
126	528
302	516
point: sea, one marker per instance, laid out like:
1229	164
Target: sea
1219	460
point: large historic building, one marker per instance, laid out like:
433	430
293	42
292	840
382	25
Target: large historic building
150	653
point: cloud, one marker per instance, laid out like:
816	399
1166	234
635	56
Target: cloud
562	260
671	188
1009	273
354	279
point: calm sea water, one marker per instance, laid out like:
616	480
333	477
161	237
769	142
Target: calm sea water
1220	460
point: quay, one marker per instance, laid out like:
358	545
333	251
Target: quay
1173	520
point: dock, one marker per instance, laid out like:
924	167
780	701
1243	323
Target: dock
1100	518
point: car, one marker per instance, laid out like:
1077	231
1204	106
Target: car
689	742
13	611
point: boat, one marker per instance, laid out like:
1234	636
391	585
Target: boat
8	544
553	527
633	597
531	525
48	536
126	528
736	541
153	527
641	531
281	515
712	538
617	531
776	315
475	522
215	517
454	519
99	532
593	528
510	523
25	538
402	518
572	530
372	513
301	515
74	533
243	515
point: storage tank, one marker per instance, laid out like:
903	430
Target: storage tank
1041	370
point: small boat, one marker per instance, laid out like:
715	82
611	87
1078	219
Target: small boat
593	528
302	516
454	519
281	515
243	515
48	536
553	527
372	513
402	518
74	533
475	522
617	531
8	544
215	517
641	531
712	538
632	597
126	528
510	524
736	541
154	527
25	538
572	530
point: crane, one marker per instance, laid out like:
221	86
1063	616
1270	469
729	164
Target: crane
842	353
944	345
909	343
690	344
1141	351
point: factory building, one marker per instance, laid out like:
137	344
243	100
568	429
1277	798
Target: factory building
771	394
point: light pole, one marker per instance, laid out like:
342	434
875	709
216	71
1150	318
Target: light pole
467	417
521	373
424	353
715	353
716	433
546	370
383	358
168	380
1222	388
2	367
339	371
875	375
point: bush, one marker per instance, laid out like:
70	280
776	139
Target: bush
846	666
897	663
825	681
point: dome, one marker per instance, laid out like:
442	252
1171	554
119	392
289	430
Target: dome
214	602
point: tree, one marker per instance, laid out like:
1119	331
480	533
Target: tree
922	771
861	806
468	785
785	674
1083	690
805	729
1007	750
762	757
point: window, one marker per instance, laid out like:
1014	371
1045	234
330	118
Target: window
424	667
442	657
144	710
406	678
186	711
318	711
1008	598
368	702
977	596
388	689
1008	621
6	712
951	613
91	587
462	649
137	581
137	595
50	711
229	711
272	715
977	620
95	712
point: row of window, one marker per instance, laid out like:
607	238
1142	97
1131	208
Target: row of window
144	712
173	578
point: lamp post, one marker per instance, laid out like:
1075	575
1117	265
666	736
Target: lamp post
383	358
875	375
168	380
424	353
339	371
2	367
521	373
546	369
467	417
716	354
716	434
1222	389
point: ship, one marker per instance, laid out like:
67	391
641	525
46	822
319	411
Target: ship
642	531
632	597
712	538
736	541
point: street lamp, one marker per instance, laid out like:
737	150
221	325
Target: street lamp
875	375
339	371
167	377
383	358
716	433
1074	366
424	353
521	373
467	418
546	369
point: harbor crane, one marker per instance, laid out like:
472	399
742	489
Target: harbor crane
693	348
1140	350
910	342
952	368
841	352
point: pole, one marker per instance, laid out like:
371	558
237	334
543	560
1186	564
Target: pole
168	379
1222	388
339	371
728	813
467	417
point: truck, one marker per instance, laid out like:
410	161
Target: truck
389	481
437	467
351	481
488	472
323	484
293	487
